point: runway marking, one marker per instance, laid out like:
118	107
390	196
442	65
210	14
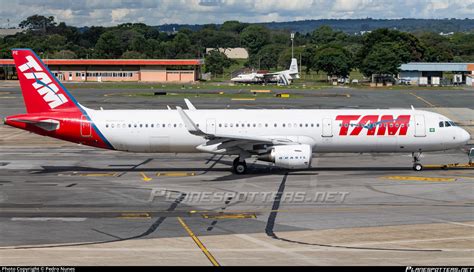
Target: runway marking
413	241
229	216
198	242
175	174
420	178
243	99
145	177
143	215
451	222
260	91
96	174
424	100
453	165
43	219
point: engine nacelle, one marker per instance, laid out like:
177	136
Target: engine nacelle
290	156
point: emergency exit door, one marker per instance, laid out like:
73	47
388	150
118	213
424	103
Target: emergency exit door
327	127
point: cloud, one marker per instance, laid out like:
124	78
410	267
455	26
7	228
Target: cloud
156	12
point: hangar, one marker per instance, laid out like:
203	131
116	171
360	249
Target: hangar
101	70
433	73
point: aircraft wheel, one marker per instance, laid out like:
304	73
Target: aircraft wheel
417	167
240	168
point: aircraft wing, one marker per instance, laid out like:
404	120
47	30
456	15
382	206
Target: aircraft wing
229	140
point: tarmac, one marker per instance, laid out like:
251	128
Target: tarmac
66	204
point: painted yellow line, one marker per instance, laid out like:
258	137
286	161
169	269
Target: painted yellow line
198	242
424	100
175	174
420	178
145	177
229	216
243	99
135	216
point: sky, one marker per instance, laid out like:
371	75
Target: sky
157	12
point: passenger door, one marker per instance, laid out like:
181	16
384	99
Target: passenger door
420	129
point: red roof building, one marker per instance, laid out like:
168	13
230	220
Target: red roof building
101	70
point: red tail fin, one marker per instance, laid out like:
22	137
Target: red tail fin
42	91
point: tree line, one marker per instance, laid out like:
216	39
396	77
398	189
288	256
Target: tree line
324	49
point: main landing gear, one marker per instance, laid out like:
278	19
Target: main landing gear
239	167
417	166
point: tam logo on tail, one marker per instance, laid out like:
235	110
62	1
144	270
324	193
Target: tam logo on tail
41	90
43	83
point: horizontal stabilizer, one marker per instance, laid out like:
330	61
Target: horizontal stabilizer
48	124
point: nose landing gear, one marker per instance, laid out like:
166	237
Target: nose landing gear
417	166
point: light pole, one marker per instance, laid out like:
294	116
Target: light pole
292	38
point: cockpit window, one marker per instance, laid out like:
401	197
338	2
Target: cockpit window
441	124
452	123
447	124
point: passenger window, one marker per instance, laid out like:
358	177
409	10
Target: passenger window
129	125
441	124
275	125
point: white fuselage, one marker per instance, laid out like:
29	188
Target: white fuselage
164	131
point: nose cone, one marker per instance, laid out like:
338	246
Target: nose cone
465	136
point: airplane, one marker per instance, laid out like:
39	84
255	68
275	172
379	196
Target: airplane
281	77
287	138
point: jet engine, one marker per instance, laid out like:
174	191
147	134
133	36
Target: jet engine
289	156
